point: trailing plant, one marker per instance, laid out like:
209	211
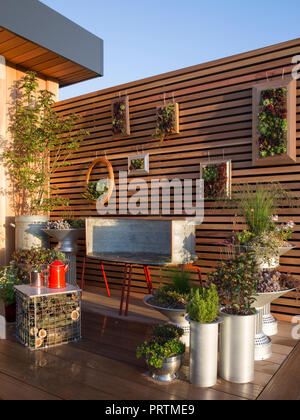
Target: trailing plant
9	277
166	121
215	180
236	281
37	258
119	117
95	190
272	122
176	294
39	135
204	304
163	344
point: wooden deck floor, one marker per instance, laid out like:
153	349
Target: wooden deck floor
103	365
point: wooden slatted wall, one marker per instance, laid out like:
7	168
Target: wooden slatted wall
215	119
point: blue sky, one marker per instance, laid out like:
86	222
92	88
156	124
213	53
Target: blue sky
145	38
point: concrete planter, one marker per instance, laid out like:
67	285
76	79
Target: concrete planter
204	353
29	232
237	348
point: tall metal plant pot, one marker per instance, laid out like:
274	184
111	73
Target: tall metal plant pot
237	348
176	317
67	243
204	353
29	232
169	370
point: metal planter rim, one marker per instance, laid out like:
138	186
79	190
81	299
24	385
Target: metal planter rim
218	320
224	314
160	308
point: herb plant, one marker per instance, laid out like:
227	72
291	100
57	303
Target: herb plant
272	122
39	135
163	344
204	304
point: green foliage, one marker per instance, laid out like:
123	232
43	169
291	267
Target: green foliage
138	164
165	125
215	181
9	278
204	304
95	190
272	122
163	344
236	281
38	135
176	294
37	258
167	332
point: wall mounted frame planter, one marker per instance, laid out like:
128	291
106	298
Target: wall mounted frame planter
138	164
167	120
120	117
217	179
274	102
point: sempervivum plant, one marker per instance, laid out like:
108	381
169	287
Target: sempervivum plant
66	224
275	281
272	125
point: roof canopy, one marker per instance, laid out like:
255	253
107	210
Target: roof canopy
36	37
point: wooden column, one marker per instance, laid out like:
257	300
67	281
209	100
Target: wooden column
2	170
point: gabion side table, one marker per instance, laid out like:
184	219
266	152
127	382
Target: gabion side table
48	317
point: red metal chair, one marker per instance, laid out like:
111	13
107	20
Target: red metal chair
103	274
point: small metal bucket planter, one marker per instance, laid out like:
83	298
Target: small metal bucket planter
169	370
237	347
204	352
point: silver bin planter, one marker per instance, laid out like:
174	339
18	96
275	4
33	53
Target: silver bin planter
204	353
237	348
169	370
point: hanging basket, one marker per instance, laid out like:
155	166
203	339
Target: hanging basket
111	178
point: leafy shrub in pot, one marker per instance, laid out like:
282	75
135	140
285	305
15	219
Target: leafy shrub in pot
9	277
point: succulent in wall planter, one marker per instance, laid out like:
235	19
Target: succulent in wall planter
167	121
101	189
120	116
138	164
274	122
202	309
163	352
216	176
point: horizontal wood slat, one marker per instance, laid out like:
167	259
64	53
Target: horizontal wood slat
215	102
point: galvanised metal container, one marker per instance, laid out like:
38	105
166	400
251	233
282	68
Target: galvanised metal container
237	347
169	370
204	352
36	279
29	232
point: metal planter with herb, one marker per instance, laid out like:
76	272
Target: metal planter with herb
204	321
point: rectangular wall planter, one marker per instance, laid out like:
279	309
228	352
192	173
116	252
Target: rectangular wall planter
223	178
121	128
290	155
135	160
162	130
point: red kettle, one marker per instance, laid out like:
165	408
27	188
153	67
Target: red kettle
57	275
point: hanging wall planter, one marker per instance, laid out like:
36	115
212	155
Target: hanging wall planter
217	179
274	122
120	117
167	122
138	164
100	189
